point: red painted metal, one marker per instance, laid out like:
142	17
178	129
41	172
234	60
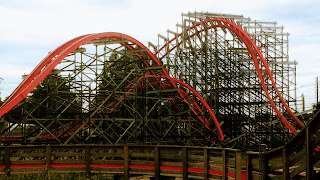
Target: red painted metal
55	57
221	137
253	50
39	67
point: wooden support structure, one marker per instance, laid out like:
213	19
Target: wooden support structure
48	157
88	160
309	154
264	162
238	165
206	166
7	161
224	165
126	162
185	163
157	163
285	158
249	167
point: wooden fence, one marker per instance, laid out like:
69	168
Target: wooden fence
298	159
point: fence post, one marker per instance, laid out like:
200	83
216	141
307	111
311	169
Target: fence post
157	163
206	167
126	162
238	165
7	162
48	157
185	162
309	155
249	167
264	161
224	165
285	156
88	160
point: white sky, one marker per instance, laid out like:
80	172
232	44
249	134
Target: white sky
30	29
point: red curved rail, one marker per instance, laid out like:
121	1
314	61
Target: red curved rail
254	51
44	68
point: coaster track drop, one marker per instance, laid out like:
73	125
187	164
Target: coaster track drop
114	90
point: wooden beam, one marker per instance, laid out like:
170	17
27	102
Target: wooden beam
206	164
185	162
88	160
238	165
249	167
7	162
157	163
126	162
48	157
224	165
309	155
285	159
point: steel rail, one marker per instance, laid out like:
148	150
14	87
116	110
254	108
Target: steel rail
55	57
246	39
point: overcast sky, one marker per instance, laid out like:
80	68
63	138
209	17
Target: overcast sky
29	29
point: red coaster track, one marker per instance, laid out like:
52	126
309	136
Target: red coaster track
48	64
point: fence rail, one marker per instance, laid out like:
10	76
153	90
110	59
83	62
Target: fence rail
173	161
297	159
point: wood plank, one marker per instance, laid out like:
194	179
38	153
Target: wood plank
309	155
28	162
7	162
68	161
206	164
224	165
126	162
88	161
107	155
238	165
34	154
185	163
157	161
66	154
168	163
48	157
142	155
249	167
285	174
107	161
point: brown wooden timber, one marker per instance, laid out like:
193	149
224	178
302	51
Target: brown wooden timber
249	167
126	162
7	161
157	163
206	166
48	157
224	165
185	163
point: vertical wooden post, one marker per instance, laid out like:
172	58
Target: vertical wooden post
185	162
303	105
7	162
249	167
264	161
88	160
157	163
285	158
309	155
206	166
224	165
238	165
317	84
48	157
126	162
